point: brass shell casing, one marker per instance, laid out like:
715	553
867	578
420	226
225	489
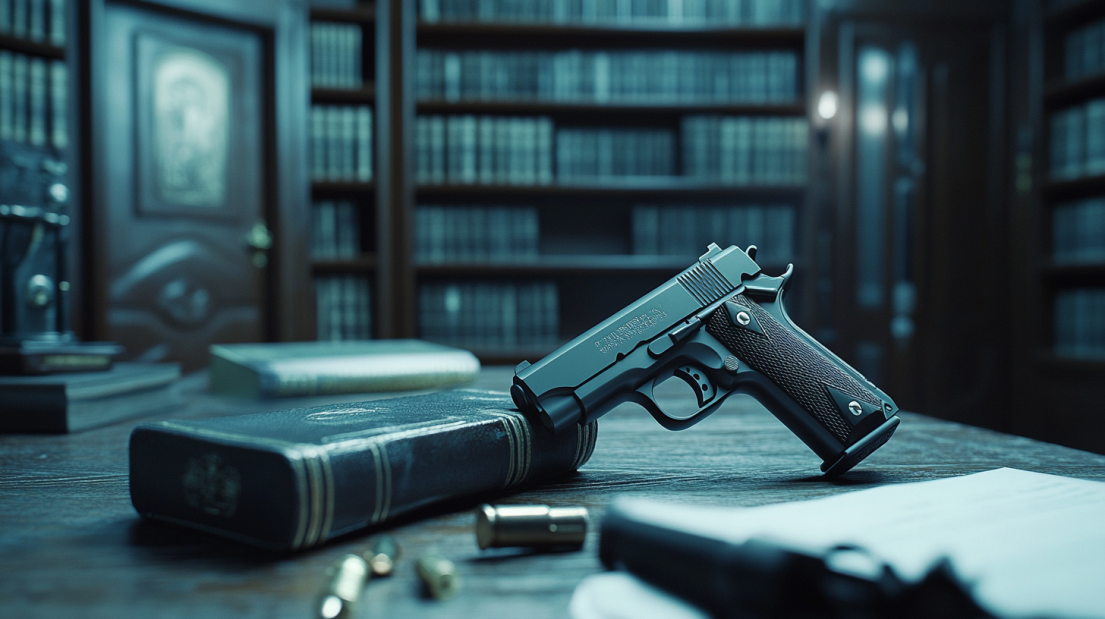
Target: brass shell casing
439	576
343	590
505	526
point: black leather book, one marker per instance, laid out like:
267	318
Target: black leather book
293	479
70	402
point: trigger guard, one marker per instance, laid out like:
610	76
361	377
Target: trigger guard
703	388
645	397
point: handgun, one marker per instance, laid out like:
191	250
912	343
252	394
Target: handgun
719	326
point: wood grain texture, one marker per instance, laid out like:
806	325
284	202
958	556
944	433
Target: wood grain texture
72	545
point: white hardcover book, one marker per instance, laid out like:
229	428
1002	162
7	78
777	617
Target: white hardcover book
59	105
36	20
7	94
19	98
364	143
57	22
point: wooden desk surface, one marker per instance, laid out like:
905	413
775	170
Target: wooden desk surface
71	545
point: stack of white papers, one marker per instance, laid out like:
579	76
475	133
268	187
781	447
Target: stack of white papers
1025	544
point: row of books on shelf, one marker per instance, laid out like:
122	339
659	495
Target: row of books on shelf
335	231
485	316
1078	232
343	304
518	151
475	234
33	100
1084	51
336	55
608	76
1080	323
584	154
743	150
341	143
41	21
1078	141
753	13
484	150
687	230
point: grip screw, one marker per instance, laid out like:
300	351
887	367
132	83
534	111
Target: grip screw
743	318
855	408
732	364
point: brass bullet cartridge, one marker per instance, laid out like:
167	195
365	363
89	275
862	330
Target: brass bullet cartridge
382	556
505	526
439	576
344	587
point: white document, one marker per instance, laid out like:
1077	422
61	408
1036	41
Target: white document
1025	544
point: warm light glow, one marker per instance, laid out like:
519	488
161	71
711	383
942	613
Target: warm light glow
875	67
826	106
900	119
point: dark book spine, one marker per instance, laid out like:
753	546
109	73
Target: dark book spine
287	496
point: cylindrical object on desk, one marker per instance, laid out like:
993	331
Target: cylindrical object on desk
382	556
344	588
504	526
439	576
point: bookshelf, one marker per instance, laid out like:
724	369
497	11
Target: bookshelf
1072	198
34	79
345	195
584	261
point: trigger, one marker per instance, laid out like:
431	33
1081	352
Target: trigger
704	390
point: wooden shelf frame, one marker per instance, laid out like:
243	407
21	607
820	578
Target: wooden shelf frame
365	94
21	45
650	188
561	108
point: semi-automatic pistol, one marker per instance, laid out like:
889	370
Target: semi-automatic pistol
720	326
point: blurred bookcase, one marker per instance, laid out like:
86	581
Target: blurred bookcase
1071	267
551	161
344	192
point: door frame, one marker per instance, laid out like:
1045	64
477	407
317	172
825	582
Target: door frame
288	313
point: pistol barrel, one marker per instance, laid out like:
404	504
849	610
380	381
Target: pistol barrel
546	388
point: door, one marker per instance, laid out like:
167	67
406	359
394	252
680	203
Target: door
918	265
180	215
